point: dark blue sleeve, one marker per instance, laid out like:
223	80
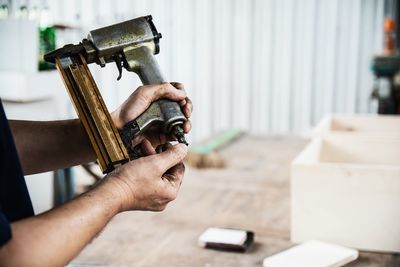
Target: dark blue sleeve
5	230
15	203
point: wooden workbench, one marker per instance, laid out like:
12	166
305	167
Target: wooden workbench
251	193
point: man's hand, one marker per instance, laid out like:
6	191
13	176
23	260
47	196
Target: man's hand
142	98
148	183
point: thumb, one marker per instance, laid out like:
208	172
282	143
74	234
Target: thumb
170	157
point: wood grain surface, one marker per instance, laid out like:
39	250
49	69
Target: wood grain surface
251	193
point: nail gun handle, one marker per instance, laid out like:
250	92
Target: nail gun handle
165	114
162	114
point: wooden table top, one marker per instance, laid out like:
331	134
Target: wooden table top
251	193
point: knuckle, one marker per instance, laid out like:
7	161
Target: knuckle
171	196
140	89
172	90
179	86
160	90
146	92
166	86
157	168
187	126
182	102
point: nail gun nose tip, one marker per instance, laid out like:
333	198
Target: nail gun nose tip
182	139
180	136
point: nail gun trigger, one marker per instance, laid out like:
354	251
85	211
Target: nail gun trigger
119	66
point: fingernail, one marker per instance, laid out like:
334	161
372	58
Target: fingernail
187	111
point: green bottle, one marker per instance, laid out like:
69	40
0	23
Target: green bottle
47	43
47	36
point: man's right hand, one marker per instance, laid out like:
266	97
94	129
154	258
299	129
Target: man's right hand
150	182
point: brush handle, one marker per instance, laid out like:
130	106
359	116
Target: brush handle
217	142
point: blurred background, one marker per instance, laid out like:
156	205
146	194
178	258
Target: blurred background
262	66
273	69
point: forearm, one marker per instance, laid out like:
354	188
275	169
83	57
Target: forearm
54	238
50	145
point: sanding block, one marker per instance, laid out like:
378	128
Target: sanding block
226	239
312	254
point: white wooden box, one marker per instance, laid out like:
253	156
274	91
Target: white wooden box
345	189
371	124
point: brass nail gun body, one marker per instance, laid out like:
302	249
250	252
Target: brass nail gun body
131	45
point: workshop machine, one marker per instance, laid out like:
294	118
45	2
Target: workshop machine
131	45
386	84
386	65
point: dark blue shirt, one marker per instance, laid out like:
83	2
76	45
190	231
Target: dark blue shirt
15	203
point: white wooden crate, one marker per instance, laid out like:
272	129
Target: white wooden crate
345	189
371	124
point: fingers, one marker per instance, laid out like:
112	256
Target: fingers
163	90
142	98
147	148
187	107
157	138
169	158
147	94
175	174
186	104
178	85
187	127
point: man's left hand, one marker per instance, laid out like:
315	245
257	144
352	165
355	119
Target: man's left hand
141	99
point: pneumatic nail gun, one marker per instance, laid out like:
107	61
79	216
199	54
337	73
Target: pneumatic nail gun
131	45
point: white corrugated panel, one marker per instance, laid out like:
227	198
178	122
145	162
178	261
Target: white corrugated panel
266	66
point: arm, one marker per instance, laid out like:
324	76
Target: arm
51	145
54	238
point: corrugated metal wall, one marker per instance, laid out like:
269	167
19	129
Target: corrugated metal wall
268	66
